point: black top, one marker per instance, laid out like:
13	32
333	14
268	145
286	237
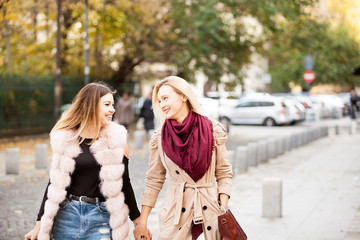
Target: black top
85	181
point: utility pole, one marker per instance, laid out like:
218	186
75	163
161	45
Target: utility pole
58	83
87	46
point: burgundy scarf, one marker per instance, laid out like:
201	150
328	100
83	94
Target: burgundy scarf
189	145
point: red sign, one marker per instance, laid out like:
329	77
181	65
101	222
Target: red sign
309	76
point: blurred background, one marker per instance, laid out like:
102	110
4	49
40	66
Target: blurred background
265	69
235	53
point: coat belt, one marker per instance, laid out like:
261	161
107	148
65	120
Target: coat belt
198	217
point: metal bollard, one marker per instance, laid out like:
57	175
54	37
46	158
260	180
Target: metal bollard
139	137
41	156
272	197
252	151
241	158
12	158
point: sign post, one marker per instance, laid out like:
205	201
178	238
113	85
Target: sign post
309	77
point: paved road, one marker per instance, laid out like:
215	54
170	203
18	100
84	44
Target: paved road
321	180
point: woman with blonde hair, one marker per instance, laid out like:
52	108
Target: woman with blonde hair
190	148
89	195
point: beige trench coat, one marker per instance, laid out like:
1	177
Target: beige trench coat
187	201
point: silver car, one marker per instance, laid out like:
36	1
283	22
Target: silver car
268	111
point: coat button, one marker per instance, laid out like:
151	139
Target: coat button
183	209
209	228
177	172
204	208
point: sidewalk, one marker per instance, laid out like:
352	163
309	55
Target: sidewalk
321	193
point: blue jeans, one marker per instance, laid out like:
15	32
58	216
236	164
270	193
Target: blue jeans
79	220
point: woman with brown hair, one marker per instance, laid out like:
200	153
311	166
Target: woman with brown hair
190	148
89	195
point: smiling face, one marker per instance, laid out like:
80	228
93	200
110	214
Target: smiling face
106	109
174	105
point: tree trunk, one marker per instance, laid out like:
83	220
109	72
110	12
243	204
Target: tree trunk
98	56
34	19
87	45
7	35
58	83
126	69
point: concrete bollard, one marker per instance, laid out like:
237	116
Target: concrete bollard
280	145
252	151
258	153
287	143
241	158
263	151
41	156
293	141
353	127
139	137
231	155
271	148
272	197
12	159
150	133
337	129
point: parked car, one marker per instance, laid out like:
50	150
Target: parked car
268	111
297	111
210	107
345	97
333	104
318	110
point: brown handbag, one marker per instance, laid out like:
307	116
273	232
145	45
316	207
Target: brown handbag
229	228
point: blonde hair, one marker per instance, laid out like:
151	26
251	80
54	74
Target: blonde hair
83	114
181	87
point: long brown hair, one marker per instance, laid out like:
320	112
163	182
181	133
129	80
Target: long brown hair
83	115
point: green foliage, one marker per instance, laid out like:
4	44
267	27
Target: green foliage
27	102
334	50
211	36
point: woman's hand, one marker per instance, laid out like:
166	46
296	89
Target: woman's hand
32	235
141	232
223	199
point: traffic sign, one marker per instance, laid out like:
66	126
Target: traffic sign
309	76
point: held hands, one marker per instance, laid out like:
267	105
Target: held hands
141	232
32	235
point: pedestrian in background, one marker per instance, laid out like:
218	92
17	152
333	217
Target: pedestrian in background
125	110
354	103
147	113
89	195
190	148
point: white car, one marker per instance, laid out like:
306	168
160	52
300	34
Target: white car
297	111
268	111
210	107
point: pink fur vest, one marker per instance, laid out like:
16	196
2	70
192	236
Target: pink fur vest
108	152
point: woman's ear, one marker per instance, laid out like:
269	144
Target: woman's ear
184	98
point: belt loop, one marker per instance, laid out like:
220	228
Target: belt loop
97	201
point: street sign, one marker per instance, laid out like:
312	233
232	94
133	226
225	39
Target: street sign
309	62
309	76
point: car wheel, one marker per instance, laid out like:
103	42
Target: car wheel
269	122
226	123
